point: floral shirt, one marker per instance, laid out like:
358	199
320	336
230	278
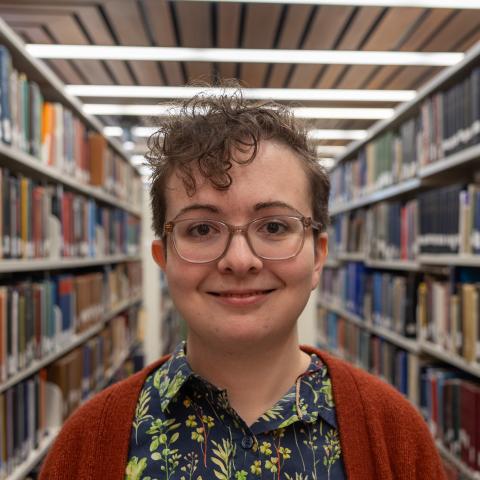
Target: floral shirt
185	429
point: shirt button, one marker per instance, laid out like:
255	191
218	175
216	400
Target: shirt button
247	442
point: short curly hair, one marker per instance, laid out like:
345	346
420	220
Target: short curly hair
204	134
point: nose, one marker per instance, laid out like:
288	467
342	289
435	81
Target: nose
239	258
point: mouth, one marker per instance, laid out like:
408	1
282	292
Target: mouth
242	294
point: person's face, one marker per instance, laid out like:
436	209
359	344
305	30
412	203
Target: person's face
241	297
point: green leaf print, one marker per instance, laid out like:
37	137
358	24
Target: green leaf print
332	449
327	391
141	412
135	468
223	455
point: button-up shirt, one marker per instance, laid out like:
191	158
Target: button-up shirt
185	429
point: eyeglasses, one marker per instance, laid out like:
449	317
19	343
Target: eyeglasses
277	237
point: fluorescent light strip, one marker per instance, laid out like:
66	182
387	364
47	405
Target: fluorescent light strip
301	112
330	134
285	94
463	4
330	149
244	55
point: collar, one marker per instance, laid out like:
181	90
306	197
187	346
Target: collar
310	397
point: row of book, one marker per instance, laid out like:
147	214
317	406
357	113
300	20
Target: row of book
449	313
451	405
446	122
443	220
40	316
39	405
39	220
370	352
54	135
384	231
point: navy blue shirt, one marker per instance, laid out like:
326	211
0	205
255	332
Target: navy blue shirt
185	429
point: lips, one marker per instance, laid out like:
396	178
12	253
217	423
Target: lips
241	293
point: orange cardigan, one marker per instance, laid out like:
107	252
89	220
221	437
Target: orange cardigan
382	435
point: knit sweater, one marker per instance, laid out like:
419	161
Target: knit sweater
381	434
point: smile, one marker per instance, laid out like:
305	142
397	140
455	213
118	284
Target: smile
245	294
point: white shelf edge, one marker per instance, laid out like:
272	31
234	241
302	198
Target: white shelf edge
451	358
78	340
383	194
26	265
464	469
408	344
441	259
454	160
35	456
51	173
351	257
409	265
405	108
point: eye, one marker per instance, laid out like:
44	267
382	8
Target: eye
202	230
273	227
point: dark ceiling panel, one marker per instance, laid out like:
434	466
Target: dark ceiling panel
387	36
228	30
194	21
129	29
290	38
159	17
260	27
94	24
324	33
355	36
62	68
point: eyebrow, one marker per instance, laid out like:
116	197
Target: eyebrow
198	206
273	204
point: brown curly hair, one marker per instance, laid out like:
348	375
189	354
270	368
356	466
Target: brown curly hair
204	137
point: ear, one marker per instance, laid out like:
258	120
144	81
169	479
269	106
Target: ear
158	253
321	252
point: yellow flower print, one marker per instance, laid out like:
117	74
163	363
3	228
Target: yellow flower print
256	468
265	448
208	421
190	422
198	435
272	464
284	452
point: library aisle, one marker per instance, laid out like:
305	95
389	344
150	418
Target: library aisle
389	92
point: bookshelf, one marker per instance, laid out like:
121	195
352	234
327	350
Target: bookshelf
70	229
405	203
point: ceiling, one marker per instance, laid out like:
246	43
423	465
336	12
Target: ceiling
243	25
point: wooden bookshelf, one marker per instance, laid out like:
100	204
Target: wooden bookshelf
36	456
73	342
408	344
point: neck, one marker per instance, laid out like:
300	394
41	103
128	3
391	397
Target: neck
268	371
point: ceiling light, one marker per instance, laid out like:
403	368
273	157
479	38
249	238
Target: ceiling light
324	134
330	149
326	162
244	55
473	4
137	160
143	132
113	131
301	112
284	94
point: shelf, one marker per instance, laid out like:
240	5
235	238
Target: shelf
464	469
31	164
452	161
393	337
450	358
378	196
441	259
36	455
351	257
408	265
76	341
27	265
38	70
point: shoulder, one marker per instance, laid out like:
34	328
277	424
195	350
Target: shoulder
98	429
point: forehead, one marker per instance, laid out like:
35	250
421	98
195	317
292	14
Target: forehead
275	175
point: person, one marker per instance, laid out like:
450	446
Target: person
240	209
